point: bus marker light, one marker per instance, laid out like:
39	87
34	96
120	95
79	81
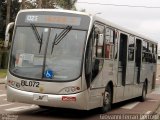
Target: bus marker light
13	84
66	98
71	89
78	88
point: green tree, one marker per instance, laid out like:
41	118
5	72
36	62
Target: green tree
6	17
15	7
8	13
46	4
28	5
2	18
67	4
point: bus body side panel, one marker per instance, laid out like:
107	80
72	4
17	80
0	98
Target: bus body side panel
144	69
151	76
108	72
99	84
112	67
148	71
95	98
96	91
129	86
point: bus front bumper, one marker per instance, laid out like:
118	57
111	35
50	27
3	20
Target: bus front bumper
73	101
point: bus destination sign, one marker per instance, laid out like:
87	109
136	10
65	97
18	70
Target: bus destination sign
54	19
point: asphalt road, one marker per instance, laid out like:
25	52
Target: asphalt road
131	109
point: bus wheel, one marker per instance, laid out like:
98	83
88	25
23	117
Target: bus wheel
107	100
44	107
144	92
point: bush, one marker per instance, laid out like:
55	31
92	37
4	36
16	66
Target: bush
4	57
1	43
3	73
4	61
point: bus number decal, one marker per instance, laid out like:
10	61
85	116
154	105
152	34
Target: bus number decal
30	83
31	18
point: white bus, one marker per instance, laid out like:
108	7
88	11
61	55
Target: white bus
75	60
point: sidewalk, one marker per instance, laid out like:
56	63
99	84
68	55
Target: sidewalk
158	81
2	80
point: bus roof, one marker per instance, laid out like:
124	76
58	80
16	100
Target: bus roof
55	10
94	18
123	29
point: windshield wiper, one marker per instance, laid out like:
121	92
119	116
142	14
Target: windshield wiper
61	35
37	36
53	43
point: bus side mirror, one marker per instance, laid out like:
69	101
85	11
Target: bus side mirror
7	34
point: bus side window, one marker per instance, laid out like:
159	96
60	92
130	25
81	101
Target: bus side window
131	48
144	52
98	41
154	53
98	50
109	43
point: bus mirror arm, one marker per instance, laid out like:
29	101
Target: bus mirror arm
7	35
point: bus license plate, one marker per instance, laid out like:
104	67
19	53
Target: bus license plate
30	83
40	97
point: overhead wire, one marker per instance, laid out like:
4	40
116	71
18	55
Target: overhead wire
121	5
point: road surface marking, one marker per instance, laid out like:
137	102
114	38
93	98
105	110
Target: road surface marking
3	95
6	104
145	115
21	108
130	106
148	112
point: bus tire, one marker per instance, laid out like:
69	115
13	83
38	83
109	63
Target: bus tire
107	100
144	92
44	107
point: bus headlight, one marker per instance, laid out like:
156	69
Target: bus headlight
69	90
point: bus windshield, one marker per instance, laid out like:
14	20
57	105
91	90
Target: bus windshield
40	50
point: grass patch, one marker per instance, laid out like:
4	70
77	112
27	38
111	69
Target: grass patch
3	73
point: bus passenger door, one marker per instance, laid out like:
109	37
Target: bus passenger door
137	70
129	84
96	41
122	59
122	64
138	60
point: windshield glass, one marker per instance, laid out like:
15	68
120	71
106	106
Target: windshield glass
37	54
